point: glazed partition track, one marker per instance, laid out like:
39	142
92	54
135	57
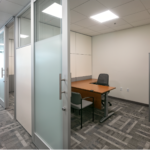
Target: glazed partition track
87	89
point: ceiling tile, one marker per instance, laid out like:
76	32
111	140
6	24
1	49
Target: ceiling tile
4	16
113	23
75	16
95	34
76	27
75	3
90	8
146	3
113	3
98	28
137	16
87	23
9	7
107	30
1	25
87	32
141	22
129	8
2	22
125	26
20	2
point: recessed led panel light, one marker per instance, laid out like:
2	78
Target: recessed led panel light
105	16
54	10
1	44
23	36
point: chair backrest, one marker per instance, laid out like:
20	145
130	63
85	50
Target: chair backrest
103	79
76	98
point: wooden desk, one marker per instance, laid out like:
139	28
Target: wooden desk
84	88
87	89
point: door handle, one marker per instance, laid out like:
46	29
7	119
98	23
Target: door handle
60	86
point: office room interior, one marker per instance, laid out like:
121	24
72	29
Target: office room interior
77	78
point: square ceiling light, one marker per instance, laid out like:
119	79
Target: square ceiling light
23	36
105	16
54	10
1	44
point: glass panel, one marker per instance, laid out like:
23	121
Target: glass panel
48	62
25	28
2	66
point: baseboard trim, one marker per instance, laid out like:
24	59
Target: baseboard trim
128	101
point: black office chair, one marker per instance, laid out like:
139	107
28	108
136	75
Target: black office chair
103	79
77	102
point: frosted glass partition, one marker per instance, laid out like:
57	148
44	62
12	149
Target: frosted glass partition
47	103
2	66
48	66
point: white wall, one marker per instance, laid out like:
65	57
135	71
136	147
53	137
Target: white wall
23	87
80	55
124	56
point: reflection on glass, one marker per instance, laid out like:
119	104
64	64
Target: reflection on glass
1	65
1	51
55	10
25	28
49	14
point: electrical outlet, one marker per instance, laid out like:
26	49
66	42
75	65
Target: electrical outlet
127	89
121	88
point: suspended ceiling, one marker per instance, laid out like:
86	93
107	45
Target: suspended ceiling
132	13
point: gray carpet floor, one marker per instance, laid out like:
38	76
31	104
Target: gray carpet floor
128	128
12	134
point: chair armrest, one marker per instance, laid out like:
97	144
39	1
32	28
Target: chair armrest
87	98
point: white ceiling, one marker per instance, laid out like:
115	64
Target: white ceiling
9	8
132	13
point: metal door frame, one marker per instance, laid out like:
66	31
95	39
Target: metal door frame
65	75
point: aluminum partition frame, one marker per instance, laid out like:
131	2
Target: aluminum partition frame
32	66
65	74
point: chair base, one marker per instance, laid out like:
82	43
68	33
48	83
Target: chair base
105	118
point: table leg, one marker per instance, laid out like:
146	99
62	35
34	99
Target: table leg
106	114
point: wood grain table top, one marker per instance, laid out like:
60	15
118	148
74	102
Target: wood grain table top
87	85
